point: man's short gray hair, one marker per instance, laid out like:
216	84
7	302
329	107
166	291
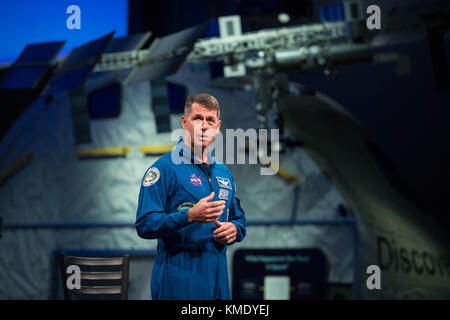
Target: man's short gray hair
204	99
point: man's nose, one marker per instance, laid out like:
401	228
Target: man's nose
202	125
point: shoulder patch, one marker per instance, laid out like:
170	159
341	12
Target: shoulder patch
151	177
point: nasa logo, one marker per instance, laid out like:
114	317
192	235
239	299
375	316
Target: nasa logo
195	181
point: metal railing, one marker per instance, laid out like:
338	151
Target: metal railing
255	222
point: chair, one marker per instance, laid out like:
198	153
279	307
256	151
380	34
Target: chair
91	271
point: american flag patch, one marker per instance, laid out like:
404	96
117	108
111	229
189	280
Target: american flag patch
223	194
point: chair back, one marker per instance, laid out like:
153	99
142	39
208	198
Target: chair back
95	271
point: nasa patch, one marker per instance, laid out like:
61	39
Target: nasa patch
151	177
195	181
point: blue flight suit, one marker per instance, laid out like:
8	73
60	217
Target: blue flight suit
189	263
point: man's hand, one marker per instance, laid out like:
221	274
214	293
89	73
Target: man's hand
225	233
205	211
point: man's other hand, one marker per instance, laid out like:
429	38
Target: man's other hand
225	233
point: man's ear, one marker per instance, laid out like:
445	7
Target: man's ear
218	124
183	121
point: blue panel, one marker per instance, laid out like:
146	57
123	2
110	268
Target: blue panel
117	75
131	42
70	79
39	53
164	45
22	78
87	51
340	15
177	97
105	102
213	29
323	14
333	12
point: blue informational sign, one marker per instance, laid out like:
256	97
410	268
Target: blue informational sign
25	22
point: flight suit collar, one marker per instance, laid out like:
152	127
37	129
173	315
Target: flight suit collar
186	153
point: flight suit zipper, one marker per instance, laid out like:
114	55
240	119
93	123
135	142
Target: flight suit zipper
208	175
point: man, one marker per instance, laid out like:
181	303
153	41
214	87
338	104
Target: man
191	208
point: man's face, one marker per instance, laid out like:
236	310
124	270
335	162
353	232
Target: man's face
201	125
